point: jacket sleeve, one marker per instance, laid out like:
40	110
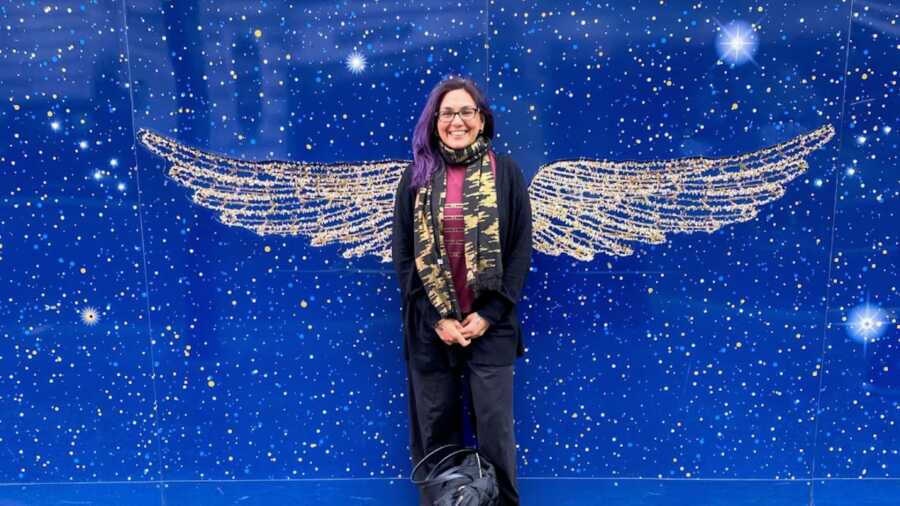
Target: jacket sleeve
401	235
493	305
402	251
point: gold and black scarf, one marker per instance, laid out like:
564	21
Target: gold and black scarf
482	229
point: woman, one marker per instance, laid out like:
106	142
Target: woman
462	250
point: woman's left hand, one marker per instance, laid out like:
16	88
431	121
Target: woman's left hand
474	326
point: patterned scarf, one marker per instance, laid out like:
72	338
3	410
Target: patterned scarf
482	229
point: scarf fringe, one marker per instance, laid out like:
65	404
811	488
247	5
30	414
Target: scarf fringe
487	281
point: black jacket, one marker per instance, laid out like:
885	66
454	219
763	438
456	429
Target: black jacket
502	342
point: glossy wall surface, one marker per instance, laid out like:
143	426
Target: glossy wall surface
143	340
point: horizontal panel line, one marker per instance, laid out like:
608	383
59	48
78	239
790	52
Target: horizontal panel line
403	478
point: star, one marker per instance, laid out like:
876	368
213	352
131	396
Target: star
866	323
90	316
736	43
356	62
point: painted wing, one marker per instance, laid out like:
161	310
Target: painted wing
350	204
585	207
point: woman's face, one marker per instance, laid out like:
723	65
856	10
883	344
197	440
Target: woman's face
458	133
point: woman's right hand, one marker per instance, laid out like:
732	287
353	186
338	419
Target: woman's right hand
450	331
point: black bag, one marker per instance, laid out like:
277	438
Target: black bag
461	477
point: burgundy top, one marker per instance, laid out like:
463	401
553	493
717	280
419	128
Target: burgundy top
455	235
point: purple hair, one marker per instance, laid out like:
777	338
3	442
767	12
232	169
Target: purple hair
426	158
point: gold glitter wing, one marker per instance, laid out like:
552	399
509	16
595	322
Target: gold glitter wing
585	207
344	203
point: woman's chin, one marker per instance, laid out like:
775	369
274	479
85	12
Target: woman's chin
459	144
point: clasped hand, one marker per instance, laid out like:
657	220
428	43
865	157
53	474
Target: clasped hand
455	332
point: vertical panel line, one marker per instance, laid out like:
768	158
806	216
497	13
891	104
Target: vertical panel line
137	173
487	47
837	184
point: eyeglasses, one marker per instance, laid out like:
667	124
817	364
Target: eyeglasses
466	114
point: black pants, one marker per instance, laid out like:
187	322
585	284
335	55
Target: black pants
436	417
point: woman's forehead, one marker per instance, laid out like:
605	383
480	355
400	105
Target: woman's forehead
457	98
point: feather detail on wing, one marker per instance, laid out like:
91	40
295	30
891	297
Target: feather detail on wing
585	207
349	204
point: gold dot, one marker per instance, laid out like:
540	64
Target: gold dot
267	249
734	106
16	107
211	383
650	290
83	270
865	76
258	33
738	344
304	304
49	114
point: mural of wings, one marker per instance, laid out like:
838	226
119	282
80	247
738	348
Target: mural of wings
580	207
585	207
348	204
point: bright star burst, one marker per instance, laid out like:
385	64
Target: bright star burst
356	62
90	316
866	323
736	43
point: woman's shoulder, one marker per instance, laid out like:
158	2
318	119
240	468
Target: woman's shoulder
408	172
508	164
504	158
405	180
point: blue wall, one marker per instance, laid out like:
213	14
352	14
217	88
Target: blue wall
143	340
